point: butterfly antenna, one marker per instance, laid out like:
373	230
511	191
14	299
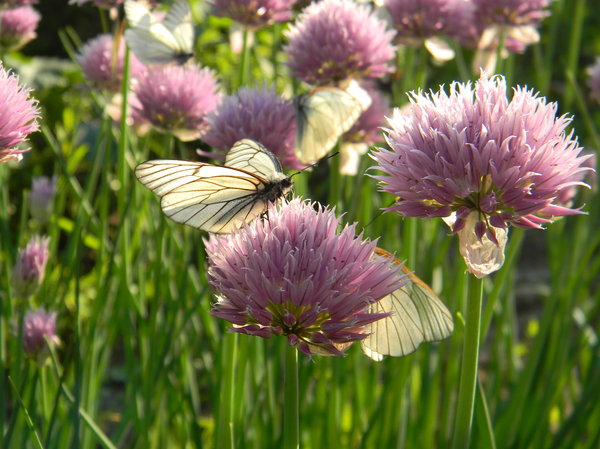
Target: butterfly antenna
379	213
316	163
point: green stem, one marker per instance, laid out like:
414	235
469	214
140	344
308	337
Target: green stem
225	429
291	421
245	60
468	371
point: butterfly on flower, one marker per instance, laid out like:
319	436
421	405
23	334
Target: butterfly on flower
417	315
323	115
217	198
160	42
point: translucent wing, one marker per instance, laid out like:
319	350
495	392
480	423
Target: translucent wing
417	315
179	22
253	157
323	116
155	42
205	196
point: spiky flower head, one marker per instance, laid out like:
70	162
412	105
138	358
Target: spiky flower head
297	276
39	326
43	190
335	40
176	99
18	115
418	21
511	12
254	13
475	151
28	272
102	60
594	80
258	114
17	26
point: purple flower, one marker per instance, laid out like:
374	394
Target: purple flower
28	272
16	3
416	21
39	326
334	40
176	99
295	275
18	115
258	114
43	190
254	13
594	81
511	12
102	68
476	151
17	26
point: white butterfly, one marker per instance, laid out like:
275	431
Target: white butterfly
217	198
418	316
154	42
323	115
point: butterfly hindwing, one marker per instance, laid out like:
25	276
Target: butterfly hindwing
255	158
417	315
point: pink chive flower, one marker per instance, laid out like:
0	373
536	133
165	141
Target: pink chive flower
39	326
43	190
594	80
17	27
477	156
335	40
18	115
7	4
259	114
511	12
416	22
176	99
101	67
296	275
254	13
28	272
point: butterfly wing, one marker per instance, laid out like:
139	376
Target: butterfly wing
323	116
204	196
253	157
417	315
179	22
154	42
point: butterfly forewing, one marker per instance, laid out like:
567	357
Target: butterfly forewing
179	22
417	315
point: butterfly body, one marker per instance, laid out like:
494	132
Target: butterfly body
215	198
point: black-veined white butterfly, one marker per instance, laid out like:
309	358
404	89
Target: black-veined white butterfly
217	198
323	115
160	42
417	315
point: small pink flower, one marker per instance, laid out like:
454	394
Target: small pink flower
176	99
18	115
254	13
17	26
102	68
335	40
30	268
43	190
39	326
296	275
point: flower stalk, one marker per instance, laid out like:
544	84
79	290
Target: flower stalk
291	419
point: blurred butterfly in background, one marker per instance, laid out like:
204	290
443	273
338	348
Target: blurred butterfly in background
323	116
417	315
217	198
160	42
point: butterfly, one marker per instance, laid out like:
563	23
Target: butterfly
154	42
323	116
417	315
216	198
